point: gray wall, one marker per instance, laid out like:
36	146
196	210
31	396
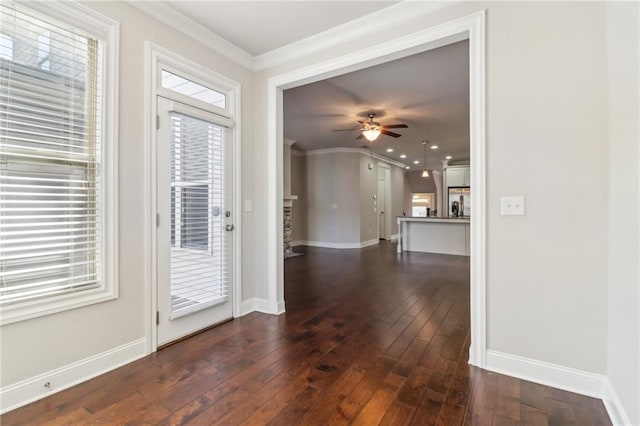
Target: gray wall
623	354
368	188
397	196
343	179
419	184
299	188
333	179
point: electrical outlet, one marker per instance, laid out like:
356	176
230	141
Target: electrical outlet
512	206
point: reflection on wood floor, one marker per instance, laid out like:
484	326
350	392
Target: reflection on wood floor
369	338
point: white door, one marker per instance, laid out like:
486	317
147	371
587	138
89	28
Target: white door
381	208
194	238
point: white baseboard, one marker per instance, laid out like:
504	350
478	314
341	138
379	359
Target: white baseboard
256	304
298	243
32	389
544	373
369	243
394	237
338	245
615	409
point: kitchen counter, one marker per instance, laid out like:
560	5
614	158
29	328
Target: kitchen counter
444	235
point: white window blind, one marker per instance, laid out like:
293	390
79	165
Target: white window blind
199	275
50	158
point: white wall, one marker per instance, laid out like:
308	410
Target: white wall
623	355
39	345
546	133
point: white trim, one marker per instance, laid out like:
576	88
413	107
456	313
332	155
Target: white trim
388	17
255	304
323	244
614	407
545	373
155	58
108	30
361	151
360	28
298	243
185	25
32	389
394	237
477	105
470	27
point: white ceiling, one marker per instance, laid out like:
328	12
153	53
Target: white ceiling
258	27
429	92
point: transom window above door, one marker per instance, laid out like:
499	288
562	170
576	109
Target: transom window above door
193	90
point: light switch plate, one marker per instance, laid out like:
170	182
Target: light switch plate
248	206
512	206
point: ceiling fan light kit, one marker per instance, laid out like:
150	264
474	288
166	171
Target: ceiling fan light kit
371	134
372	129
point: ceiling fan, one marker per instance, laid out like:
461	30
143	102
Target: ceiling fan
372	129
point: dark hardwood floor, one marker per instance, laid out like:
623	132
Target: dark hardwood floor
368	338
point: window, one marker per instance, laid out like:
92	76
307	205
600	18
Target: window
193	90
56	166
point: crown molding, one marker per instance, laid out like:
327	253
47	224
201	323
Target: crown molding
388	17
181	23
360	151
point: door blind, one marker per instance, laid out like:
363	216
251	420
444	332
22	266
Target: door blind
199	276
50	209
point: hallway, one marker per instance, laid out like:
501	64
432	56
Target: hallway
369	338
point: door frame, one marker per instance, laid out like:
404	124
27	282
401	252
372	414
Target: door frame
388	225
470	27
155	57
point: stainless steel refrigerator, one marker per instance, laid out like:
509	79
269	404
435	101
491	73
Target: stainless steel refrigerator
460	196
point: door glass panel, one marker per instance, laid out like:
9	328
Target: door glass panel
198	257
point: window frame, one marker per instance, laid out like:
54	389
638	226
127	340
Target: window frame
106	30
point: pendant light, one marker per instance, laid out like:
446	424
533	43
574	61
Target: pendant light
425	173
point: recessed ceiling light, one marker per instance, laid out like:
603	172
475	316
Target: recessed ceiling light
434	147
389	149
448	157
403	155
407	167
416	162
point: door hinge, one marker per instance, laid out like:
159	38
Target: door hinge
157	317
157	122
157	220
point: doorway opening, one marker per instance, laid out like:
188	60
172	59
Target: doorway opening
469	28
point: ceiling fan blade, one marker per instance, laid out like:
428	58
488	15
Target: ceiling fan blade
396	126
360	136
393	135
346	130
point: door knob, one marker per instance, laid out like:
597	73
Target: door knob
229	228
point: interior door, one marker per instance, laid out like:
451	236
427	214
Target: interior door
194	240
381	209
